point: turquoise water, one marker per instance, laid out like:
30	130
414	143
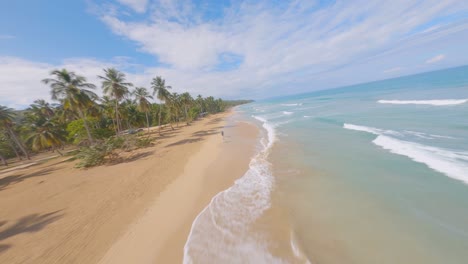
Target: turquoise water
374	173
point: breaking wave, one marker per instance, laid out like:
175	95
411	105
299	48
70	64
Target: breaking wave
440	102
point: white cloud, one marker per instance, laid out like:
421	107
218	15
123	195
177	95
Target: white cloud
137	5
435	59
273	40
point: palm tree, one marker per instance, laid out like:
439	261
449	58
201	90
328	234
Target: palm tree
186	99
143	104
6	121
73	91
173	108
200	102
4	146
162	93
108	110
115	86
42	107
45	136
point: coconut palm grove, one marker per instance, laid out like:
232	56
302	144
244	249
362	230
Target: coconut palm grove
97	126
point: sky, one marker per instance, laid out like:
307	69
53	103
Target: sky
230	49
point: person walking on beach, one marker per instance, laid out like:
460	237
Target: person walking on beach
222	134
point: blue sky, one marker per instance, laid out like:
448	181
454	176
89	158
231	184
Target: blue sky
232	49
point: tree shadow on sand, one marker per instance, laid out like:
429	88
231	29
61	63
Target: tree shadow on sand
13	179
4	247
130	158
27	224
184	141
203	133
215	121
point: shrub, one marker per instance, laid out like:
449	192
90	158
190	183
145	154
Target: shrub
144	142
90	156
97	154
102	133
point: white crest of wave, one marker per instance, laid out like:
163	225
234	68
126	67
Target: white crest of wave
371	130
440	102
450	163
297	104
454	164
221	233
288	113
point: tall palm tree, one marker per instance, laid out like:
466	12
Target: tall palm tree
74	93
143	104
186	99
162	93
114	84
6	121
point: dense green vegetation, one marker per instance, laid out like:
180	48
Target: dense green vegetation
99	125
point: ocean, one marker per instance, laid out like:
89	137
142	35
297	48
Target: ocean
369	173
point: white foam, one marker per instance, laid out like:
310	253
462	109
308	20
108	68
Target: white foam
288	113
221	232
371	130
292	104
452	163
440	102
426	136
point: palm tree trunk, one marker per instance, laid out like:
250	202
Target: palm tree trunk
5	163
186	115
18	143
159	121
85	123
119	128
147	121
115	126
18	156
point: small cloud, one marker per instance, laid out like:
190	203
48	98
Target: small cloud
7	37
436	59
392	70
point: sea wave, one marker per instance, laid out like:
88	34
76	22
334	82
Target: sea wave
222	233
440	102
288	113
372	130
452	163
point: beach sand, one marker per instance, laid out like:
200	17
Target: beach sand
137	211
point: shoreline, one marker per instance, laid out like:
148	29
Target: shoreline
52	212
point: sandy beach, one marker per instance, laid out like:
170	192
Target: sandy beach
137	211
